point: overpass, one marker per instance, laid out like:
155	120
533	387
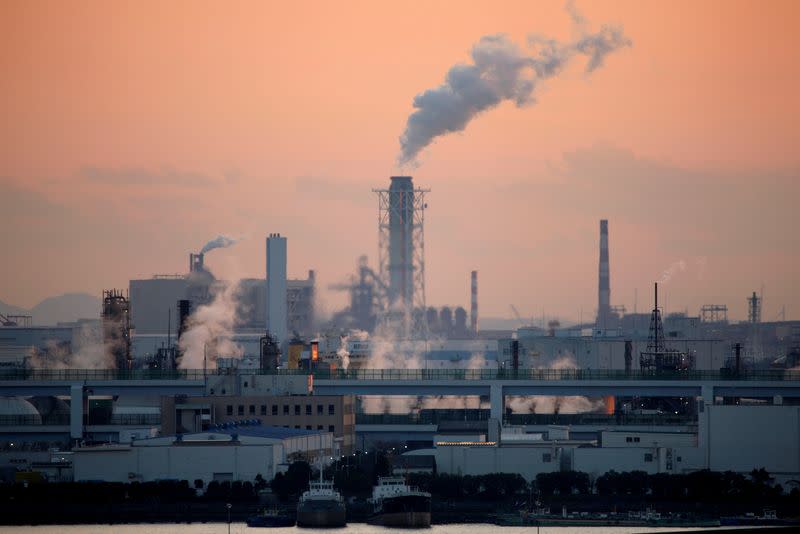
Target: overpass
495	384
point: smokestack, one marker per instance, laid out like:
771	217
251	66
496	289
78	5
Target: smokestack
628	356
196	263
473	311
401	247
184	310
515	354
276	288
603	287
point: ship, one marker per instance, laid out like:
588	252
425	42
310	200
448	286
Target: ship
396	504
321	506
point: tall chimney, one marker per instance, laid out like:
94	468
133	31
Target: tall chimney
401	245
196	263
603	287
473	311
276	288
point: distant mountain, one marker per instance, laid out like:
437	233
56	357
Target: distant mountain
61	309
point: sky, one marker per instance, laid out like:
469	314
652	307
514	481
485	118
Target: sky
134	132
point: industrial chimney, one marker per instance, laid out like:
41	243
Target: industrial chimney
473	311
276	288
196	263
603	287
401	245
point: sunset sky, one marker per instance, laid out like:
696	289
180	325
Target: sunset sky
134	132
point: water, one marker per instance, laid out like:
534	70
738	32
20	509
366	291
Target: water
355	528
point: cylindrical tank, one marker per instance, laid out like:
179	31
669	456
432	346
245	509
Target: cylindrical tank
446	321
461	322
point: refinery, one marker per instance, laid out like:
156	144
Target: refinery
306	394
190	358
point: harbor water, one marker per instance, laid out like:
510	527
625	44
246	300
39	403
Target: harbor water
355	528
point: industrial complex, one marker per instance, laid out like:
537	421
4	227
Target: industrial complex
191	377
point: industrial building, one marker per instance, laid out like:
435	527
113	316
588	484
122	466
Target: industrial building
236	453
730	438
328	413
155	313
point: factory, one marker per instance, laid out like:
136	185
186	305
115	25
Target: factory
276	383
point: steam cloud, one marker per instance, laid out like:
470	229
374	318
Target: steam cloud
500	71
674	268
221	241
90	352
210	331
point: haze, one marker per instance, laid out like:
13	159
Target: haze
134	132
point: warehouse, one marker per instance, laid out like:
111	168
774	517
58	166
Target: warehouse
234	453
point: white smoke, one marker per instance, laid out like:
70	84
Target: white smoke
500	71
210	329
674	268
89	352
551	404
221	241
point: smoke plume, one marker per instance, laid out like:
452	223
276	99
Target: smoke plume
210	330
551	404
674	268
221	241
89	352
500	71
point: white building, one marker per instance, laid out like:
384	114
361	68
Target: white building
233	454
729	438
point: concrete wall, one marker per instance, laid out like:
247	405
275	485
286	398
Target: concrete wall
743	438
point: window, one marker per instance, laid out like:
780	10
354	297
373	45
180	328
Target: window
229	409
285	409
648	457
331	428
297	409
252	410
240	410
319	427
547	457
308	427
629	439
679	458
308	409
320	409
274	409
263	409
331	409
297	426
636	439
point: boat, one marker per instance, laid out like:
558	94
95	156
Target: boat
396	504
321	506
271	518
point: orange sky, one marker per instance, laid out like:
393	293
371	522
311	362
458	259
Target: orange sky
133	132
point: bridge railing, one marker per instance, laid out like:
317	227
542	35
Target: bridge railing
400	374
475	415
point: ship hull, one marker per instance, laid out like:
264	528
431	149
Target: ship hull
319	515
412	511
402	519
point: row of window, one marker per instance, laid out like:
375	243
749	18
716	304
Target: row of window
634	439
331	428
251	409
